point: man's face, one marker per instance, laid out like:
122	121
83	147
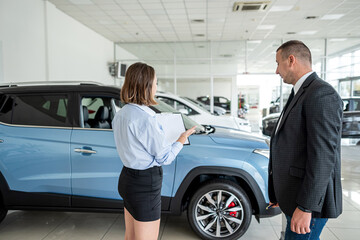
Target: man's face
283	68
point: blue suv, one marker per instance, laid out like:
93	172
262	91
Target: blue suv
57	152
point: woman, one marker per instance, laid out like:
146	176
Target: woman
140	142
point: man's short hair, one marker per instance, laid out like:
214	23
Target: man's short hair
137	87
296	48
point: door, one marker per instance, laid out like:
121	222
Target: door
96	165
35	155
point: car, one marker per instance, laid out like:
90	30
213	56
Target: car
218	101
269	123
217	110
58	153
350	122
351	118
201	115
275	105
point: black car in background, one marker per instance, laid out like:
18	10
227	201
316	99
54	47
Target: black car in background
218	101
350	124
351	118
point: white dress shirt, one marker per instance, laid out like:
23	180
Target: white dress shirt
140	140
296	87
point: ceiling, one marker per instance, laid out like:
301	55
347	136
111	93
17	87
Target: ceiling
199	27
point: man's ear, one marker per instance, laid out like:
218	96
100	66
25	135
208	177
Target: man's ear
291	60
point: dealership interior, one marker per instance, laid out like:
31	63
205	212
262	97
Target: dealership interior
214	62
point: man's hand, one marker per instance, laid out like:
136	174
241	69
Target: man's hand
300	222
273	205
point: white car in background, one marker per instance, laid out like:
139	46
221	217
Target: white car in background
201	115
217	110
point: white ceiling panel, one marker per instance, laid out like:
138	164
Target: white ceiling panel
152	21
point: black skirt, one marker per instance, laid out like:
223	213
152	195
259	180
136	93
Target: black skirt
141	192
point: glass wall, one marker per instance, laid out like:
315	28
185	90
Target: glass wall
195	69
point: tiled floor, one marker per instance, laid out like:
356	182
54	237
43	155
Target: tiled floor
34	225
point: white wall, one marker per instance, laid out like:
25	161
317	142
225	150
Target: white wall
265	85
23	40
39	43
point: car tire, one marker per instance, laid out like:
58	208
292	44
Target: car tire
211	219
3	213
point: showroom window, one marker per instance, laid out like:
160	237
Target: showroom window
356	88
41	110
6	103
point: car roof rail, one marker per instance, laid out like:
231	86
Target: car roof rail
30	83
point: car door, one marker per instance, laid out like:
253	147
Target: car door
96	165
34	154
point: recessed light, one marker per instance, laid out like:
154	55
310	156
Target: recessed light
332	16
290	33
200	35
337	39
265	27
307	32
197	21
201	46
81	2
254	41
281	8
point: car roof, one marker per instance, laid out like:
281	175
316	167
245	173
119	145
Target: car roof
60	87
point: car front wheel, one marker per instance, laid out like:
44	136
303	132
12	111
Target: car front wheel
220	210
3	213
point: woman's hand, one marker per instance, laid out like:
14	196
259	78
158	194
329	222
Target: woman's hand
186	134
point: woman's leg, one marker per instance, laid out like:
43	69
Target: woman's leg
146	230
129	226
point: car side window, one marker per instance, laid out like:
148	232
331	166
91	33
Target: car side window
357	105
41	110
222	100
97	111
6	103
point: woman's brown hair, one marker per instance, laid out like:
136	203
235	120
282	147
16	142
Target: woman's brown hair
137	87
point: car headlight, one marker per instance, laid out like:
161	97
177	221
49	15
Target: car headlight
263	152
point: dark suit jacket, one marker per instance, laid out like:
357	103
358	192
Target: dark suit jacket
304	166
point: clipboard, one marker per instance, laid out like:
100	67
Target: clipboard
173	126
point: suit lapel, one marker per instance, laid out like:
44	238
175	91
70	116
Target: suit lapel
306	83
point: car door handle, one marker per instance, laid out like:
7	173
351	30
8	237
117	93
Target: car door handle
88	151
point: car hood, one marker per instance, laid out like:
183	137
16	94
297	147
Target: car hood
236	138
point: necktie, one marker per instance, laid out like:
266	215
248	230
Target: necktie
289	100
283	111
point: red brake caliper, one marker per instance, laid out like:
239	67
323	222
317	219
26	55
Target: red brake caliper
233	214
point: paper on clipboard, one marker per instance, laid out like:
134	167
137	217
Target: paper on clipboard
173	126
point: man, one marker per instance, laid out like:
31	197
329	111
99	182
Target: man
304	166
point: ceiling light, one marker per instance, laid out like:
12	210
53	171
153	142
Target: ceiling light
280	8
332	16
337	39
200	35
290	33
307	32
265	27
81	2
254	41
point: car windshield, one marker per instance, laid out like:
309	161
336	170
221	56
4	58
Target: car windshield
199	104
162	107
